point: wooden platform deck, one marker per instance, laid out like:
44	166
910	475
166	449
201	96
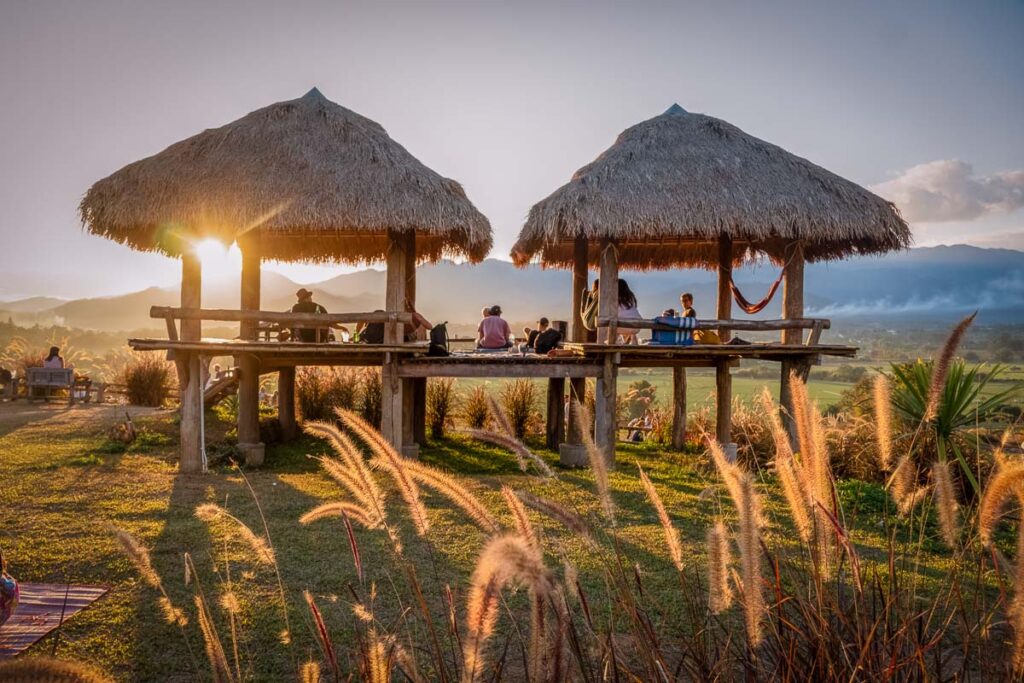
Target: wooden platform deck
586	360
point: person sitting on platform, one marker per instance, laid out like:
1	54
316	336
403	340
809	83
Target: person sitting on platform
215	375
628	311
686	299
699	336
542	339
54	360
493	332
373	333
305	304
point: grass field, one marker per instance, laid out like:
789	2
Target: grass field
66	487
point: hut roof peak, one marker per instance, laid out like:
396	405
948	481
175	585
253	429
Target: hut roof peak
314	94
676	110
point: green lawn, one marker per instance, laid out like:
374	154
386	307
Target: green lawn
64	489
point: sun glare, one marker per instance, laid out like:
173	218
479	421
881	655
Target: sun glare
217	258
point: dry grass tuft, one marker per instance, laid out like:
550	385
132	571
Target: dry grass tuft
597	461
946	503
221	670
523	454
569	519
520	516
49	670
720	593
339	509
452	489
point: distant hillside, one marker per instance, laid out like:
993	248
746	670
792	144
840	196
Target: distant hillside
928	284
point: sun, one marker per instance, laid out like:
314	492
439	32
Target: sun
210	250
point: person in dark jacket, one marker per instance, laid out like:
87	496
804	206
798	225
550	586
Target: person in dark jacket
305	304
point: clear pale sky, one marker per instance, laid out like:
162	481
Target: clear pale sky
922	101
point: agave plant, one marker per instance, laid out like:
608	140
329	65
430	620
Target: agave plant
960	406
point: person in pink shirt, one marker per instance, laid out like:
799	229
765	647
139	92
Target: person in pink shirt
493	331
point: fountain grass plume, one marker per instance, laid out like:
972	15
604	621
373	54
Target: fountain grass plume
500	417
49	670
357	471
211	512
452	489
940	369
523	454
946	503
779	436
220	669
505	560
520	517
882	393
672	539
339	509
720	592
388	458
750	560
569	519
324	636
598	464
1007	480
796	498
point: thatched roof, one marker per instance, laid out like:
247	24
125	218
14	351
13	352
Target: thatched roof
670	186
311	179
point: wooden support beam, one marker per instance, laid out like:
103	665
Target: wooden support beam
393	423
190	384
248	364
194	313
723	404
724	279
678	408
579	285
572	453
419	418
793	291
608	303
605	414
286	403
792	307
555	432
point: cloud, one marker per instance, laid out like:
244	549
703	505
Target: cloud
948	190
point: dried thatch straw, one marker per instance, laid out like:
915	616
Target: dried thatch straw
670	186
296	170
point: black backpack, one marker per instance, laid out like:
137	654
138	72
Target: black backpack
438	340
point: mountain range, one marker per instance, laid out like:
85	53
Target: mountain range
929	284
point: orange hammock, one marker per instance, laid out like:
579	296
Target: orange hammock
758	306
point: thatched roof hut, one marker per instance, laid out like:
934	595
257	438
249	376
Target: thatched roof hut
312	179
670	187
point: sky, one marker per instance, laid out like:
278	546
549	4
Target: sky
920	101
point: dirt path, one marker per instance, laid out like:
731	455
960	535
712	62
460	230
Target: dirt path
18	414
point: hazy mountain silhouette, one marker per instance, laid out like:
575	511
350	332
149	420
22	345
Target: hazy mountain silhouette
927	284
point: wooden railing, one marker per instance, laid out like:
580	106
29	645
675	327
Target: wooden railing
815	325
284	319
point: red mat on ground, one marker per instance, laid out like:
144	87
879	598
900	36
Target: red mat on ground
39	612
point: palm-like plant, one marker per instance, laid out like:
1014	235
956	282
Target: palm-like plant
960	405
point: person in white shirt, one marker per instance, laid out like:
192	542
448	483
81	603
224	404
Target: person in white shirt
628	311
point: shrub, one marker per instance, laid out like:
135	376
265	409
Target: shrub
370	407
519	399
318	391
147	380
475	411
440	405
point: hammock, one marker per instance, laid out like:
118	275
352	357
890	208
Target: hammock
758	306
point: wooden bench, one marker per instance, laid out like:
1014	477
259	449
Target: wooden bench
47	381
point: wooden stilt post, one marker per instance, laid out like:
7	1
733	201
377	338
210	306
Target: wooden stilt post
723	377
286	403
678	408
248	365
608	306
190	383
572	453
416	387
605	427
394	424
556	412
792	307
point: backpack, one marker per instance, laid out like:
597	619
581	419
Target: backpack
373	333
438	340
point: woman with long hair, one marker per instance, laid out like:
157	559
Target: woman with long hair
628	311
54	360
